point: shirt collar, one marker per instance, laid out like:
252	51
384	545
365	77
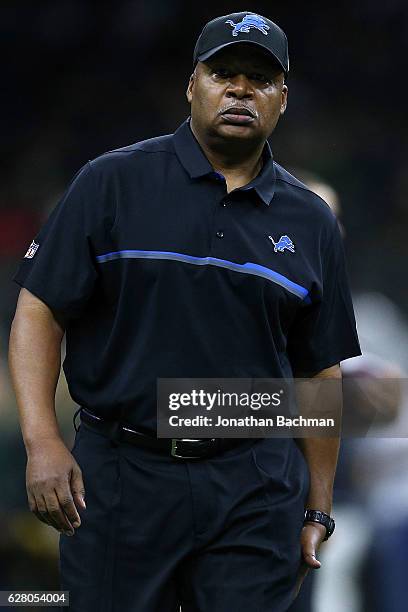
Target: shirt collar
194	161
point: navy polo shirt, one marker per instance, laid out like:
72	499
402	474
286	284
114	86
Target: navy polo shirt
159	272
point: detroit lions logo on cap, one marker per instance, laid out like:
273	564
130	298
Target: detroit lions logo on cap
283	243
248	22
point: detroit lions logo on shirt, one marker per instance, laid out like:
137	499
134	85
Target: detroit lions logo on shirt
283	243
248	22
32	249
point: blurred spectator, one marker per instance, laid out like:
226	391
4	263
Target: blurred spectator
374	395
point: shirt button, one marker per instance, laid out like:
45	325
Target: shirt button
220	234
224	203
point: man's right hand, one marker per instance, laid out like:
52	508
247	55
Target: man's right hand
55	487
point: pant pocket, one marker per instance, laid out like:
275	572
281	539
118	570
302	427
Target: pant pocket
78	435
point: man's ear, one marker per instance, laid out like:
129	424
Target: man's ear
189	92
284	99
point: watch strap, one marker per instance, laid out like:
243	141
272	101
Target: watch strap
317	516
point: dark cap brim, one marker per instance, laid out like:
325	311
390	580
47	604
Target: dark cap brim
205	56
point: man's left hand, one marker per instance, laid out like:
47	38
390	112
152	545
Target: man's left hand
311	538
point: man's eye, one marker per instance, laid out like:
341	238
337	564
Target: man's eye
262	78
222	72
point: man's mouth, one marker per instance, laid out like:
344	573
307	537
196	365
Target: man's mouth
238	115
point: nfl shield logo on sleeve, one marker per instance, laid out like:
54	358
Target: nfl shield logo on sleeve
32	249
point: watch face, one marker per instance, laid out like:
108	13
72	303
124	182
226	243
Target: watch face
321	517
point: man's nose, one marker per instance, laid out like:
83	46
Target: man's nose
239	87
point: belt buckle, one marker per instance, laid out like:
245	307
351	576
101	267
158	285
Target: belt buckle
177	452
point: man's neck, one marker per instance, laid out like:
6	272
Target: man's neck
238	167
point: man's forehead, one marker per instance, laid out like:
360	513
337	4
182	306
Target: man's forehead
244	54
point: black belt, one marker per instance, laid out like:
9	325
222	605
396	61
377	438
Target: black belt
179	448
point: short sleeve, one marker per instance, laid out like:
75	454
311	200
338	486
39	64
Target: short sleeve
324	331
59	266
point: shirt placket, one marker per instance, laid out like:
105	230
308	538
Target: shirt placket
220	223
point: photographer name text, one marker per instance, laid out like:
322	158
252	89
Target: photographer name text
249	421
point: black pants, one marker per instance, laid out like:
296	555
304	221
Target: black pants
215	535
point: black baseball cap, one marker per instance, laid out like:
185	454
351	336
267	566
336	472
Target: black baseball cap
242	27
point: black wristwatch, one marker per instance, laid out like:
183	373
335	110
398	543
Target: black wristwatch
317	516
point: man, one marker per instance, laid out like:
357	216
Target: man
189	255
